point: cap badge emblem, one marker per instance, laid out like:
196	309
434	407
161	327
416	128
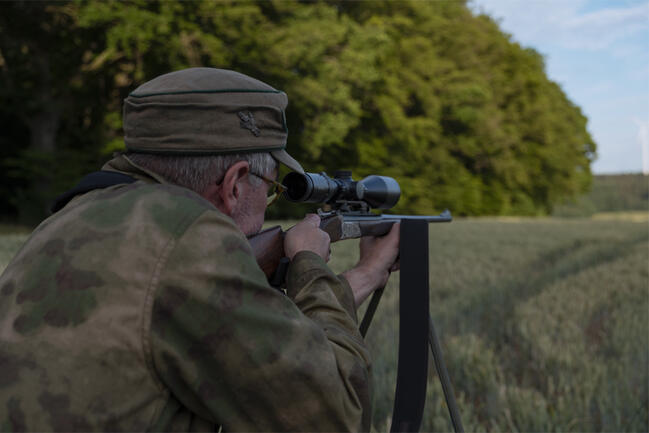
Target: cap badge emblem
248	122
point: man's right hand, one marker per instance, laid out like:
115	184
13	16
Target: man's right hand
307	236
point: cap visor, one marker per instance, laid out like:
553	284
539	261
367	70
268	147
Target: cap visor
286	159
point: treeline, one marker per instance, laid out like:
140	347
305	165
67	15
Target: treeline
426	92
609	193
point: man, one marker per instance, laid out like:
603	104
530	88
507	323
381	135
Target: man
139	305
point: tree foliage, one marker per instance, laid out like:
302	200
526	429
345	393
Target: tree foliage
426	92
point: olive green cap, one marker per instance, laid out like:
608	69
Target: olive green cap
207	111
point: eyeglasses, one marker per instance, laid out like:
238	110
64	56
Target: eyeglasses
273	193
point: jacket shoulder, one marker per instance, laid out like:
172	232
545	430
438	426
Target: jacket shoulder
129	205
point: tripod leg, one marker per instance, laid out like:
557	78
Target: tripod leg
371	309
438	357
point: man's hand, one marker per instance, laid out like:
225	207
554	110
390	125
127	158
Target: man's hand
307	236
379	257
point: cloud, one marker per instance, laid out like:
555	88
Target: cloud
529	21
601	29
564	24
640	73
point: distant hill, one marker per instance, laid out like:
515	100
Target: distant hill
610	193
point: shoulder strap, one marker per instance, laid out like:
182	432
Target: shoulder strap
96	180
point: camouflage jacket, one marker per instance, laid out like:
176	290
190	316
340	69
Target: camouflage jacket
141	307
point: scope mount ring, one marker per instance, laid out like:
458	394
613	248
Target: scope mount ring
347	208
351	207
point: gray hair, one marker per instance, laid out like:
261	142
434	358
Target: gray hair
197	172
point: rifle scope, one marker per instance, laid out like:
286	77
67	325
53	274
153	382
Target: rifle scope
379	192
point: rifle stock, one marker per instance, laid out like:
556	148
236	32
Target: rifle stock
268	247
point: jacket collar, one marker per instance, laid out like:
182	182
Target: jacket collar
123	164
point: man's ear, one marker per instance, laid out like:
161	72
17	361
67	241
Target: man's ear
225	196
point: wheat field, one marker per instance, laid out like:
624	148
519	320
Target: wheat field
544	324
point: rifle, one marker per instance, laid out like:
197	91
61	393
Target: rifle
346	214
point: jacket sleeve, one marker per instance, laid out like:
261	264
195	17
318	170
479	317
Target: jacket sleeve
241	354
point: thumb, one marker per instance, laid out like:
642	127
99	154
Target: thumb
312	219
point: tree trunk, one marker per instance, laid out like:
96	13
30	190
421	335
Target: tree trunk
44	123
43	127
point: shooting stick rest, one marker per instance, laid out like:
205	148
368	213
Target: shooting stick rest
416	332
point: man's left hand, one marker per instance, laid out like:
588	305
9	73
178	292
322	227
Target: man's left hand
378	257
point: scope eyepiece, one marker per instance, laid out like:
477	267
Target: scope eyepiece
379	192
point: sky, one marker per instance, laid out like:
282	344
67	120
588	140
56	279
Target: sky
598	51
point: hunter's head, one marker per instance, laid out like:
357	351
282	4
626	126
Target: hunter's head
219	133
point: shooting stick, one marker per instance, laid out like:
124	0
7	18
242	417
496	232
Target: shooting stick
416	332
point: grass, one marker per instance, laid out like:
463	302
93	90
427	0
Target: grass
544	323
